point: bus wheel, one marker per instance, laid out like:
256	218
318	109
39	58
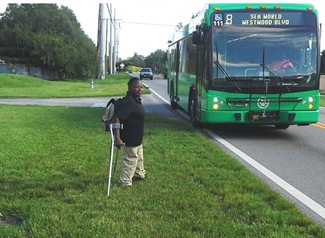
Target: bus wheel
192	112
281	126
173	104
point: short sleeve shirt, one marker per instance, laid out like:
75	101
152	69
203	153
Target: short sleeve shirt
279	66
131	113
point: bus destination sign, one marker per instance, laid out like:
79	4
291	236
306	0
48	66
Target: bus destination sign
265	19
258	19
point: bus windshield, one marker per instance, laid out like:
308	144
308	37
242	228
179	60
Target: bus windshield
252	47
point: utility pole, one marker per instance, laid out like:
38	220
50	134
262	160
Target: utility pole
109	57
98	39
106	61
110	42
114	57
101	42
117	43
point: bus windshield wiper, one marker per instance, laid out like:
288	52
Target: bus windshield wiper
264	66
227	76
225	71
268	68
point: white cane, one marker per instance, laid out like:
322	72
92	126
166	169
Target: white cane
110	159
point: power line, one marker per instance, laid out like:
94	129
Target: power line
111	18
142	23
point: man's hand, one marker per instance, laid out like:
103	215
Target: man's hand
118	143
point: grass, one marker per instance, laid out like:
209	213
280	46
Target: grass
25	86
53	183
322	101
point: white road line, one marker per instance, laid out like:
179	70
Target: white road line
279	181
156	93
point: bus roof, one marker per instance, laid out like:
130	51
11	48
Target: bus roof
205	13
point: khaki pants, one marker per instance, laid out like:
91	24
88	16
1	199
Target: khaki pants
131	164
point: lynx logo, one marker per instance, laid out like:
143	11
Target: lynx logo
263	102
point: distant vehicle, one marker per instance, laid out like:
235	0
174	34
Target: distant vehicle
146	73
130	71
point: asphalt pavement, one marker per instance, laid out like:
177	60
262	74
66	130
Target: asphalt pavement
150	103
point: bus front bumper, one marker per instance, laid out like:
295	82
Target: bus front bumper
283	117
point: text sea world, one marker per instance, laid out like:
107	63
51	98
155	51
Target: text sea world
266	19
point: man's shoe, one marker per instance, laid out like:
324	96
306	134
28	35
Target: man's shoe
134	179
119	183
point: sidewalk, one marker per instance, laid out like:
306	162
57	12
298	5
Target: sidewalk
150	103
67	102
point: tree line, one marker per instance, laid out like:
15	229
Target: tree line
155	61
49	36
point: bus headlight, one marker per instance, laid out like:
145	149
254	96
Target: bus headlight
304	102
221	102
310	106
310	99
215	106
215	99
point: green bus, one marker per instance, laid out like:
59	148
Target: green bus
247	63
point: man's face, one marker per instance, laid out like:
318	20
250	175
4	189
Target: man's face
136	88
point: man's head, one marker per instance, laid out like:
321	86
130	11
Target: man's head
283	56
135	87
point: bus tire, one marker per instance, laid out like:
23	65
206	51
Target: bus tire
173	104
282	126
192	110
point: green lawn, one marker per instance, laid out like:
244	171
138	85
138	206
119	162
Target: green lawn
53	183
322	101
25	86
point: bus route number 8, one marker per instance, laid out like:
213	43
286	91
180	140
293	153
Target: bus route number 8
229	19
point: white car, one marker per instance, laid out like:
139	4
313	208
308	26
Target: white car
146	73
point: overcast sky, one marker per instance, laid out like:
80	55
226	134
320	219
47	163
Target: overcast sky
158	19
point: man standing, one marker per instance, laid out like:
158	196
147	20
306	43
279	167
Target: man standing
130	112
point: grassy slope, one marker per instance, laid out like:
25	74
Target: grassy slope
25	86
322	101
53	183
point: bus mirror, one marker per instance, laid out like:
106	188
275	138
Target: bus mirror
166	64
197	37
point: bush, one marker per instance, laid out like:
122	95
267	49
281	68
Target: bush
134	69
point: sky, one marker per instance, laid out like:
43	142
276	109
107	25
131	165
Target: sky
158	21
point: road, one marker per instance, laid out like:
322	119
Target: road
294	159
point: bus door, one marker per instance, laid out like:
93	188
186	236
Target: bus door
202	71
173	72
199	77
177	73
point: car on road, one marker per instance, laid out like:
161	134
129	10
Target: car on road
130	71
146	73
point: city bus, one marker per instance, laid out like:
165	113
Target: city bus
247	63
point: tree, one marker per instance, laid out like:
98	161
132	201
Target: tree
136	61
46	35
156	61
